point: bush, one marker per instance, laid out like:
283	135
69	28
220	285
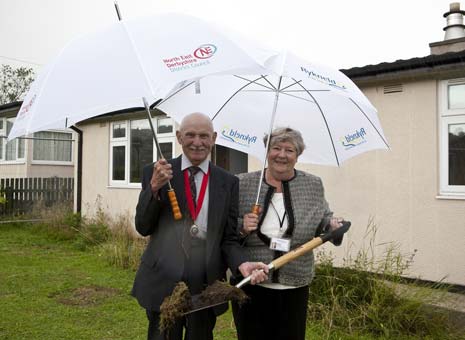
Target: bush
124	247
357	298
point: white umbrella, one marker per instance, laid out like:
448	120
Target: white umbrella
114	68
335	118
129	64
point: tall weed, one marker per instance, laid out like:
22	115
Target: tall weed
357	298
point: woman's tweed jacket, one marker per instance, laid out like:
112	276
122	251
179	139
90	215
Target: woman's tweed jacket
309	210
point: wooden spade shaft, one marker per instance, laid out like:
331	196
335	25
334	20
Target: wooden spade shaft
303	249
277	263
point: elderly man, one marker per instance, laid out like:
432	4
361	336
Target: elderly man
198	248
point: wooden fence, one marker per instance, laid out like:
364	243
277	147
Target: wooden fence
20	195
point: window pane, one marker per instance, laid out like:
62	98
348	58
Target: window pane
141	148
20	148
164	125
457	154
55	149
119	160
166	149
119	130
10	152
456	96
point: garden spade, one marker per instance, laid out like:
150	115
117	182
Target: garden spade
221	292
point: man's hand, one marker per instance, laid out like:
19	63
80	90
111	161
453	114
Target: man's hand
162	173
257	270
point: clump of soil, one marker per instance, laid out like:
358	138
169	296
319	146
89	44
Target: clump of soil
174	306
219	292
181	302
85	296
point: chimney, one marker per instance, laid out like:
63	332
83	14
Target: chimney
454	37
455	28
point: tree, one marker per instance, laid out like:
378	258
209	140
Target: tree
14	82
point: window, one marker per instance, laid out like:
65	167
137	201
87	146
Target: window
52	146
132	147
452	137
14	150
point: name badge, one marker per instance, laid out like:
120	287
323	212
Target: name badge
281	244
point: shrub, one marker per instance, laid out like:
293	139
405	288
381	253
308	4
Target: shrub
124	247
357	298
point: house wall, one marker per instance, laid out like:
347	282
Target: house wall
96	192
28	168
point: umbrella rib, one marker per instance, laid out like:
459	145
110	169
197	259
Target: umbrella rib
272	88
296	97
250	82
363	112
324	119
295	82
306	91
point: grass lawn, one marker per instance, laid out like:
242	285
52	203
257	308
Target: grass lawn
49	289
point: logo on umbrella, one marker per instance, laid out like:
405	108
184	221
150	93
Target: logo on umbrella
205	51
25	109
351	140
191	60
237	137
323	79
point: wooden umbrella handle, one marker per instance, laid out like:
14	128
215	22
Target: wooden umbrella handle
255	209
174	204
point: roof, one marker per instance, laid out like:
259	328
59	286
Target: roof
11	105
431	61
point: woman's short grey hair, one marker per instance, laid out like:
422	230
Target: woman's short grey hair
280	135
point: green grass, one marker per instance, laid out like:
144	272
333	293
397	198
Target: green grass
54	286
37	278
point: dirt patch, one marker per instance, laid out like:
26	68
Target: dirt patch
85	296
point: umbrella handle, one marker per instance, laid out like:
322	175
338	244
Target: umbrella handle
174	204
256	209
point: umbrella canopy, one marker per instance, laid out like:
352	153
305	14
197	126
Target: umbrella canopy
114	68
336	120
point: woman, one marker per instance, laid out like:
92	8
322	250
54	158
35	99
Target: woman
293	210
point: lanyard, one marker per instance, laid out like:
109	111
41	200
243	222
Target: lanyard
190	202
281	222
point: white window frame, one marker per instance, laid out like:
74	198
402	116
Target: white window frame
17	159
119	141
169	137
447	117
51	162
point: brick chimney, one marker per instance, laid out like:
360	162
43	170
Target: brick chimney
454	37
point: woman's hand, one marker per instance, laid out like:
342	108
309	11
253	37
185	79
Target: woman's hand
258	271
249	224
335	222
